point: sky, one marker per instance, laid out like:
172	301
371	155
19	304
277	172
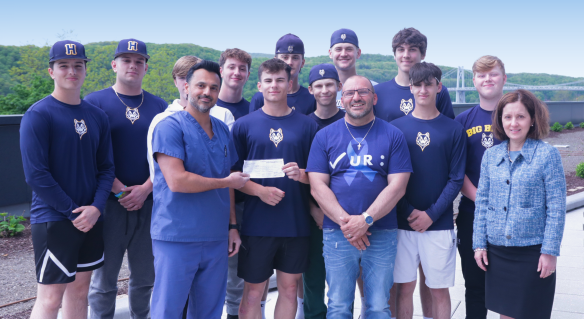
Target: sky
529	36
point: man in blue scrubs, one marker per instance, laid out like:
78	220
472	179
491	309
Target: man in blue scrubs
191	215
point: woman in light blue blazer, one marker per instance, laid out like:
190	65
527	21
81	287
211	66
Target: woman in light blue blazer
520	211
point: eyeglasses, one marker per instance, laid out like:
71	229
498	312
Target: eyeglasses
351	93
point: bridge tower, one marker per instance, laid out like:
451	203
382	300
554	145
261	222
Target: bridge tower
460	97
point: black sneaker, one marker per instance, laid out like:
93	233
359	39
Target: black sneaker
232	316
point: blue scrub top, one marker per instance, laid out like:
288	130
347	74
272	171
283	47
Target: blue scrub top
192	217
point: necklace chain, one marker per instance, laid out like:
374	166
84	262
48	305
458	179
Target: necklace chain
133	108
509	152
359	143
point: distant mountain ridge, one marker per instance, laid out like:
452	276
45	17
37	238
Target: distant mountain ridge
21	66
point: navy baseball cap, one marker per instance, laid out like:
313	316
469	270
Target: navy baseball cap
323	71
132	46
67	50
289	44
344	36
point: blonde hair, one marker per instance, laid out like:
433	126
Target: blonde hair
183	65
487	63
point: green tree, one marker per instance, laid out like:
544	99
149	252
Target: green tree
25	95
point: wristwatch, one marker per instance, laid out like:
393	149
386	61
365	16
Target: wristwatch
368	219
233	226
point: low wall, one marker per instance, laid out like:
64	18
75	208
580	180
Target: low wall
15	195
562	112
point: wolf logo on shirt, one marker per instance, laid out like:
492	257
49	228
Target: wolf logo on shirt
406	106
132	114
423	140
80	127
276	136
487	140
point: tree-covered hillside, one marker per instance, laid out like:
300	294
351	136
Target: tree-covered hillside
24	78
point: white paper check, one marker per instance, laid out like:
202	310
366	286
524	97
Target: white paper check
271	168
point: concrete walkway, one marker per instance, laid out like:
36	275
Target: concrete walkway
569	299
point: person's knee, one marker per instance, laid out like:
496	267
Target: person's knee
406	289
440	293
50	299
253	293
288	290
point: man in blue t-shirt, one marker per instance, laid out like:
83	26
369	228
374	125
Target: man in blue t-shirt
426	237
359	168
395	99
324	85
290	49
489	78
190	237
235	67
130	111
275	229
67	159
344	51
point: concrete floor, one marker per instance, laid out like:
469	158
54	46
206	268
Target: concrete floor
569	299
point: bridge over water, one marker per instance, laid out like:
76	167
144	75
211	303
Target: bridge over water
463	86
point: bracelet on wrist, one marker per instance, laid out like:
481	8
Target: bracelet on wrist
480	249
120	194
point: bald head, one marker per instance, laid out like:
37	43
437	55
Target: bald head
360	80
359	98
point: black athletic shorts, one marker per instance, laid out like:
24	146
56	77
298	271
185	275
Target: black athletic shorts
259	256
61	250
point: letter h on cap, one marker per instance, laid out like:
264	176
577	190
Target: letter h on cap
70	49
133	45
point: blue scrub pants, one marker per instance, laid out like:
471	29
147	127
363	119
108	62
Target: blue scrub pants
198	269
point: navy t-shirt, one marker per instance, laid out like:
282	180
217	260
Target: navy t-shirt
326	122
259	136
67	158
238	109
301	101
357	177
395	101
438	151
477	125
129	137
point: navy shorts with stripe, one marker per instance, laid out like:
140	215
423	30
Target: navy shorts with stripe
61	250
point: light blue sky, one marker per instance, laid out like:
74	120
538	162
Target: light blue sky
529	36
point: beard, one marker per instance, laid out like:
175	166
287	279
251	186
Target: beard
200	108
358	116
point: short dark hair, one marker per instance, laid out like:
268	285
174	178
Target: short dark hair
410	36
425	72
535	107
52	64
273	65
237	54
210	66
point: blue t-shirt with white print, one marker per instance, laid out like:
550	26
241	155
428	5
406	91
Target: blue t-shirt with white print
259	136
395	101
438	150
357	176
